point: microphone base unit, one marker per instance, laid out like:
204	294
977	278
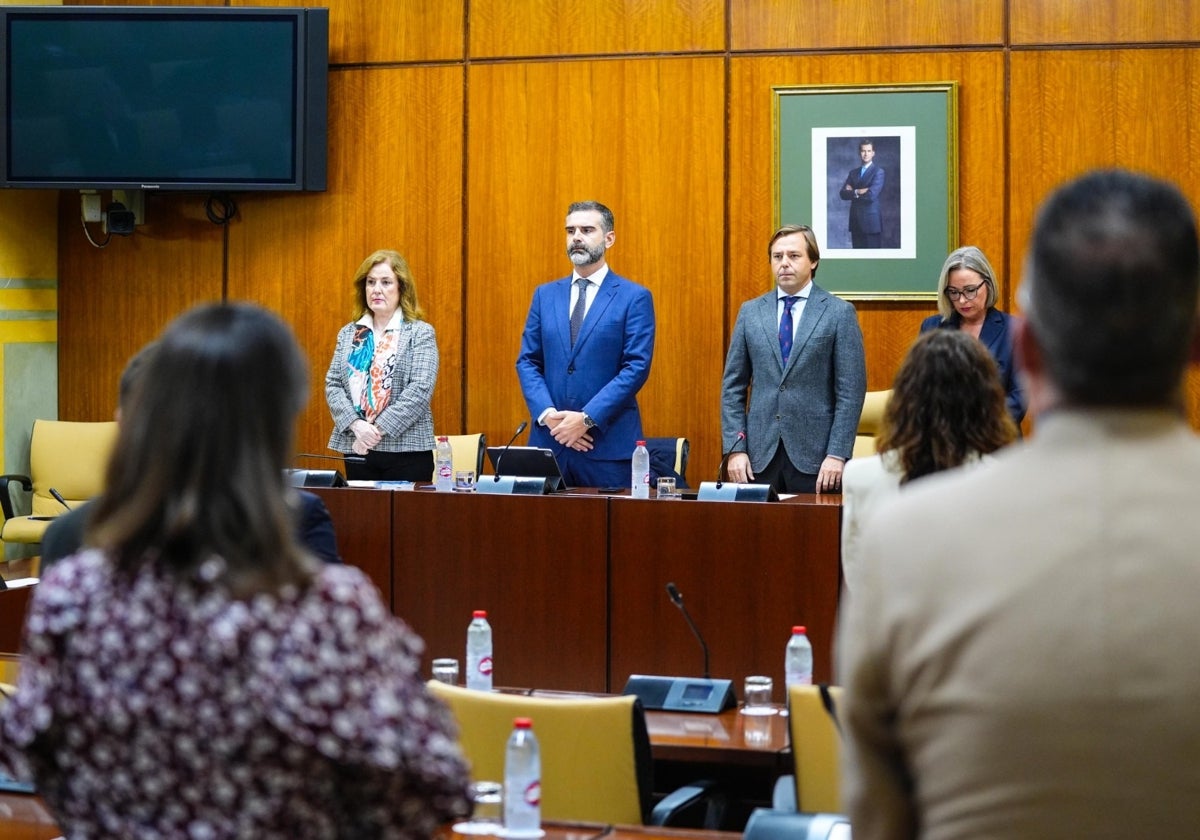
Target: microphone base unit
316	478
728	491
514	485
682	694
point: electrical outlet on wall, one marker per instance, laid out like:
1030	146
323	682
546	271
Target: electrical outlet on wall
91	206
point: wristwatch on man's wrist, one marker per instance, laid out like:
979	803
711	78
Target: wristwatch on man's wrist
588	421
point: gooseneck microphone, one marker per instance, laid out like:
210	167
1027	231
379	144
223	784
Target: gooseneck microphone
725	460
352	459
677	600
58	498
524	425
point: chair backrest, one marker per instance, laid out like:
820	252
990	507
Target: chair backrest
869	422
816	749
769	824
70	457
669	453
468	452
595	757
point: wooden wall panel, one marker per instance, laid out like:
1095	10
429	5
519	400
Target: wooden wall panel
888	328
645	138
394	182
111	301
1075	110
858	24
597	27
380	31
1103	21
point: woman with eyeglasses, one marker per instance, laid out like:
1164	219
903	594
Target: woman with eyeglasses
967	302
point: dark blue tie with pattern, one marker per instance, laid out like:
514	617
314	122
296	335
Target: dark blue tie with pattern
580	307
785	327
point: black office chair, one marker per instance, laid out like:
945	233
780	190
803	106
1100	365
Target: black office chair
668	458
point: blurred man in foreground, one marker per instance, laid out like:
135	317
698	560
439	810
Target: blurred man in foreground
1020	659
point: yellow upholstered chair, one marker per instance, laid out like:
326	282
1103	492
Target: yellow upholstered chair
10	669
816	753
869	422
595	751
71	458
468	453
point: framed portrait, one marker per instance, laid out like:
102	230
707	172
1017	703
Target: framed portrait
873	170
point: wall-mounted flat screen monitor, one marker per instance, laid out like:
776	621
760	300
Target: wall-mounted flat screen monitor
164	98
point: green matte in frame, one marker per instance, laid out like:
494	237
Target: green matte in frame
914	132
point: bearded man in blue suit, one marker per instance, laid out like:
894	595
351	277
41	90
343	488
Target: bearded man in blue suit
585	354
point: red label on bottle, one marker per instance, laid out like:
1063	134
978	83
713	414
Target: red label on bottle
485	666
533	793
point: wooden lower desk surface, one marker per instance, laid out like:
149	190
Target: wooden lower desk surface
730	738
26	817
596	831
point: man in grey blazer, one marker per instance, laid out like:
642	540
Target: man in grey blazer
1020	660
795	377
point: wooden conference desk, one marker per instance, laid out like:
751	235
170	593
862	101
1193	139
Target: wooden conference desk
13	605
25	817
574	584
596	831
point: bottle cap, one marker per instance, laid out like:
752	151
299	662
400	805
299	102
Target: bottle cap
479	614
799	628
443	437
522	723
641	443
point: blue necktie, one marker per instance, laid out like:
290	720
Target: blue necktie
580	308
862	172
785	328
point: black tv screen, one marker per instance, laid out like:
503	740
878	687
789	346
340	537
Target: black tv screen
164	98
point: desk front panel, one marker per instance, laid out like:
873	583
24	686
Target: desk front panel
362	520
13	605
537	564
747	571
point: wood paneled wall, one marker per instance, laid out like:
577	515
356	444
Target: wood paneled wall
460	131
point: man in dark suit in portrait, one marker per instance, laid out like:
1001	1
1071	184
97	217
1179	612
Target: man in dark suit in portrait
862	189
795	377
585	354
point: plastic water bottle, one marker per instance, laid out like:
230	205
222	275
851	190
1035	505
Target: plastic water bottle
479	652
797	659
522	782
640	486
444	477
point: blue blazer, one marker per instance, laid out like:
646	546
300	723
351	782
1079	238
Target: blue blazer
996	336
601	375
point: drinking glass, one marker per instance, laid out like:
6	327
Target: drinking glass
757	696
464	481
446	670
757	730
666	489
487	810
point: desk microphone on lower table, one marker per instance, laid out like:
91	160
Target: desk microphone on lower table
683	694
677	600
